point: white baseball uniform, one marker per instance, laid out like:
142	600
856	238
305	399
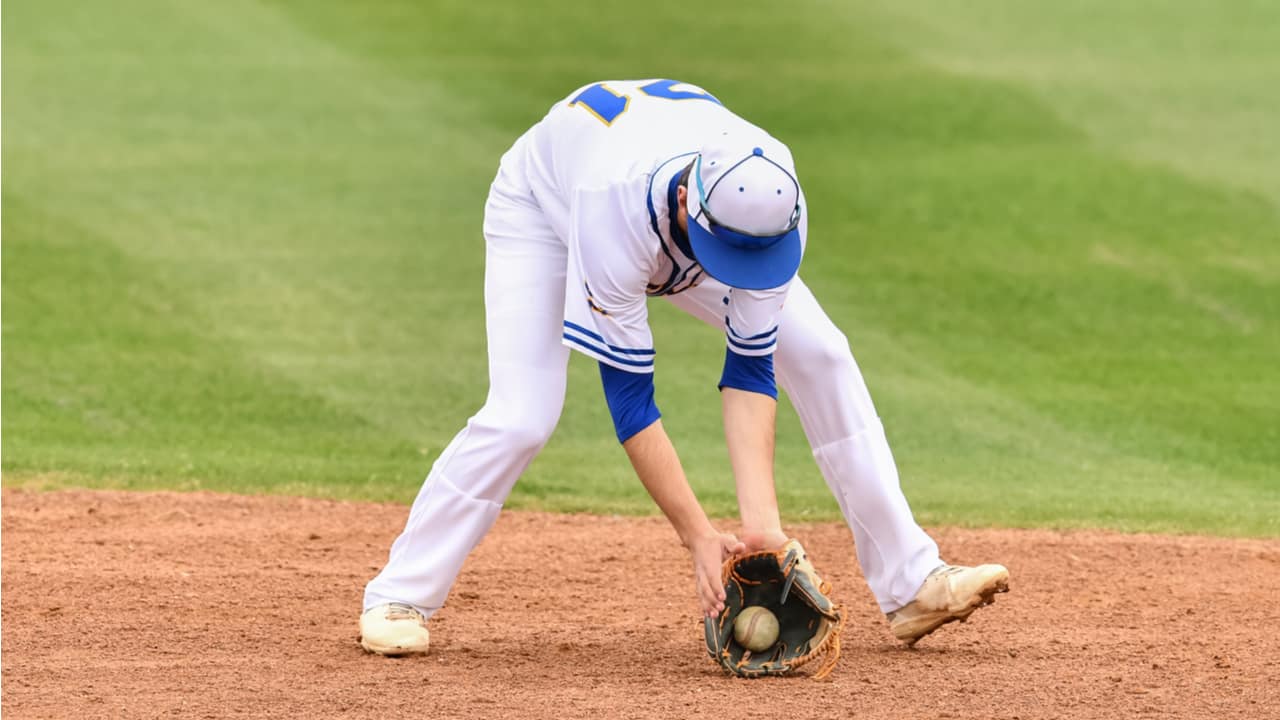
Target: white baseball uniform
578	230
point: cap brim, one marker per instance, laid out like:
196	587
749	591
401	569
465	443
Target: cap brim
748	269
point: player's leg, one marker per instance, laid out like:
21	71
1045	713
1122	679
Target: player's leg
525	266
817	371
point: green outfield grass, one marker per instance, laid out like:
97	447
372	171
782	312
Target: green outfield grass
242	250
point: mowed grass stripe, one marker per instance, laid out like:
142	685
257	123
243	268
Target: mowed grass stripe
1035	315
140	394
1186	85
225	169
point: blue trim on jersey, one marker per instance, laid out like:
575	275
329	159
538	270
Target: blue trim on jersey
753	373
630	399
672	281
751	346
762	335
673	207
600	351
615	348
662	243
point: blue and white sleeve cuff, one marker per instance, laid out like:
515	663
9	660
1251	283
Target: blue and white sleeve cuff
755	345
632	360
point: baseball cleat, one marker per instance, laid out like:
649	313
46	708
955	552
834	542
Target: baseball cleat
393	629
950	593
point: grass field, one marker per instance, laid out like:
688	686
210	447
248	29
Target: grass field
242	251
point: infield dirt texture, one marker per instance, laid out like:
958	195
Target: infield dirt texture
121	605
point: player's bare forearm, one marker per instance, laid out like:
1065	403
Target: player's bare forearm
749	420
655	461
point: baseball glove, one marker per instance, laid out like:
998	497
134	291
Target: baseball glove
784	582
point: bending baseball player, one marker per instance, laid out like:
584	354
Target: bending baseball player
628	190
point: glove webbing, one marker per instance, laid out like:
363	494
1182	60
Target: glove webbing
829	648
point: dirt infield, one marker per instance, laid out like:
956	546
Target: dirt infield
121	605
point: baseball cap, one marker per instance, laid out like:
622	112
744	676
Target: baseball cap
744	210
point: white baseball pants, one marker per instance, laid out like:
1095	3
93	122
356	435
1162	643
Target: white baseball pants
525	265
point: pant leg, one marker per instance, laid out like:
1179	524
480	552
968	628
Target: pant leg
525	264
816	369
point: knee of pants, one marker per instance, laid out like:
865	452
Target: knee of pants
527	434
523	427
818	358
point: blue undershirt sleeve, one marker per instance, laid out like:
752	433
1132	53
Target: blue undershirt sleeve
753	373
630	398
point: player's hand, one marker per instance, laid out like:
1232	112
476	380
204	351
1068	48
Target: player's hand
709	553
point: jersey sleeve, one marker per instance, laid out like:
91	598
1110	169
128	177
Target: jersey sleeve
605	315
751	320
751	334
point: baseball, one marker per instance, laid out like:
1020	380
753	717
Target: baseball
755	628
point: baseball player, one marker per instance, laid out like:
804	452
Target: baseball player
625	191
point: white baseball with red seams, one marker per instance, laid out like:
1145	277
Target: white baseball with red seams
577	236
755	628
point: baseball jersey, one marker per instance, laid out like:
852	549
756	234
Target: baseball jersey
603	166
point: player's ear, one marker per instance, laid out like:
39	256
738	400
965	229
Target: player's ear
682	197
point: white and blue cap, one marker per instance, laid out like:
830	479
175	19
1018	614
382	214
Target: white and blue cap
744	210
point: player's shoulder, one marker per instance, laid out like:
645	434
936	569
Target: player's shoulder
650	87
625	194
610	236
617	97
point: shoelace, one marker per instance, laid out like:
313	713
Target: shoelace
400	611
947	570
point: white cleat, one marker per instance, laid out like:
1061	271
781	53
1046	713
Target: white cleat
950	593
394	629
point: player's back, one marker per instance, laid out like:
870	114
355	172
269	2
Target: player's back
608	131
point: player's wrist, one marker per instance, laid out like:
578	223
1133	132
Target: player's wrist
758	510
767	538
698	533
